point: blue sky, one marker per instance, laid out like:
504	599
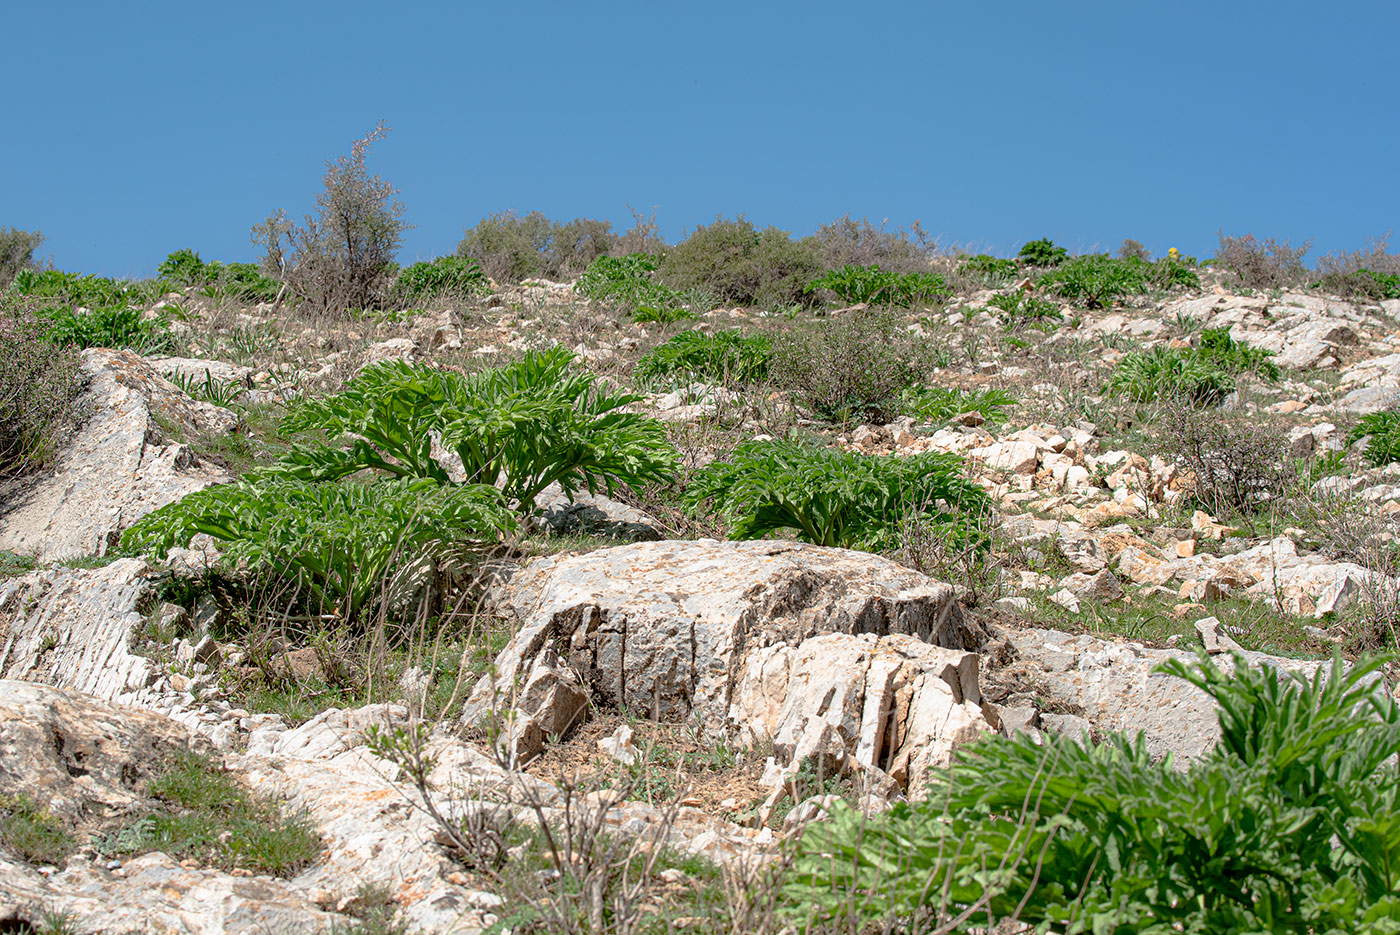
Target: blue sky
136	129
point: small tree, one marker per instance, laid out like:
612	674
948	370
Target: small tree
343	255
17	252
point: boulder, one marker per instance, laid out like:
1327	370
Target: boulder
119	466
664	627
594	514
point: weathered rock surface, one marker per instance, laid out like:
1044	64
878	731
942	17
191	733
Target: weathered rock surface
662	627
71	628
117	468
594	514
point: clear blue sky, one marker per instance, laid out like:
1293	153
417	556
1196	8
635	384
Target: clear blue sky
138	128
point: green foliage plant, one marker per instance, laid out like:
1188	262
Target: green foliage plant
32	833
1019	309
1289	824
521	426
721	357
872	285
94	311
445	277
629	283
1204	374
835	497
989	268
1383	430
511	247
183	269
343	545
939	404
219	392
1042	254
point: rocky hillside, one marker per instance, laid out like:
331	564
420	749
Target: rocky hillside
605	663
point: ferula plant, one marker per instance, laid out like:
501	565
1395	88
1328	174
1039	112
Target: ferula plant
833	497
522	426
1289	825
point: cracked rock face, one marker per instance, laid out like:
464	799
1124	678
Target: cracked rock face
666	627
117	468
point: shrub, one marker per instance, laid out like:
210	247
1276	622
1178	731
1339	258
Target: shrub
345	546
1239	466
1042	253
17	252
110	326
342	257
244	281
1262	264
875	286
512	248
1204	374
722	357
1383	428
1133	250
855	368
847	242
741	265
521	426
834	497
939	404
447	276
1097	280
39	389
1019	309
1289	824
629	283
1361	284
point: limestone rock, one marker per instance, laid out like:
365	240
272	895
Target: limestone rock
595	514
118	467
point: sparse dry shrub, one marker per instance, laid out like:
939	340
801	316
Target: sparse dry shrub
848	242
341	257
1239	466
1262	264
39	388
1134	250
1377	258
512	248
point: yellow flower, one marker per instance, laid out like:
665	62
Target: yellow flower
1173	253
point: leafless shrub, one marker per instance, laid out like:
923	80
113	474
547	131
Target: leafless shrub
39	390
1262	264
1238	466
644	236
342	257
1377	258
17	252
1133	250
848	242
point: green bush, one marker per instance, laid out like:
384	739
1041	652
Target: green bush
1384	431
837	498
1099	280
242	281
110	326
722	357
855	368
1289	825
630	284
939	404
875	286
1020	309
17	252
521	426
512	248
741	265
990	268
1204	374
447	276
344	546
1042	253
1219	348
39	389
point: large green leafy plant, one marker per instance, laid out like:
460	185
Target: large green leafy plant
521	426
835	497
1204	374
630	283
720	357
94	311
1290	825
871	284
1383	430
445	276
346	547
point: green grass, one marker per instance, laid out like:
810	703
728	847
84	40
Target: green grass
32	833
12	564
207	816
